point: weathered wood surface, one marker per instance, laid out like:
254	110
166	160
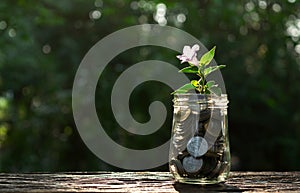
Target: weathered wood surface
145	182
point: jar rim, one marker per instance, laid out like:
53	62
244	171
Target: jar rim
197	98
199	94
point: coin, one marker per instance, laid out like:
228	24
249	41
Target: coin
197	146
204	115
216	171
192	165
184	113
214	127
209	164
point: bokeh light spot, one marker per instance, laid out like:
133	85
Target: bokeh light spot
276	7
46	49
297	48
243	30
262	4
181	18
249	6
161	10
96	14
12	32
134	5
98	3
3	25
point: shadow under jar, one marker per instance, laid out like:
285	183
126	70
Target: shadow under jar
199	148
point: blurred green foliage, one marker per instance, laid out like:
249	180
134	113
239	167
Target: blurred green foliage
43	42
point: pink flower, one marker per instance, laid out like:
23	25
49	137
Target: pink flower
189	55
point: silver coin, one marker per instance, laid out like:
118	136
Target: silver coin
204	115
192	165
197	146
185	113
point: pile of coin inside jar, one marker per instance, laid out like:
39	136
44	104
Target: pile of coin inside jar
203	155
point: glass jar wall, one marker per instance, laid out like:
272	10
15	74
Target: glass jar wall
199	148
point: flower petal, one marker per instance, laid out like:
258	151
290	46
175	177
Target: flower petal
182	58
194	61
195	47
188	52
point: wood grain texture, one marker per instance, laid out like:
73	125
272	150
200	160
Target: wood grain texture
145	182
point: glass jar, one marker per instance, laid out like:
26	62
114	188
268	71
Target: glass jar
199	148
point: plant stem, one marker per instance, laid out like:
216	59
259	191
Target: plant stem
201	82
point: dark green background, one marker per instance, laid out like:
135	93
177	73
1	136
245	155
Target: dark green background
43	42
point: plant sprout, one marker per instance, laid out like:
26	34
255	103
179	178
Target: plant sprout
201	68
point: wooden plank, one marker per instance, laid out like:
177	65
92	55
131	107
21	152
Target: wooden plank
145	182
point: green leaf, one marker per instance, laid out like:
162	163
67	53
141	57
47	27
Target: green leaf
190	69
210	84
211	69
207	57
216	90
184	88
